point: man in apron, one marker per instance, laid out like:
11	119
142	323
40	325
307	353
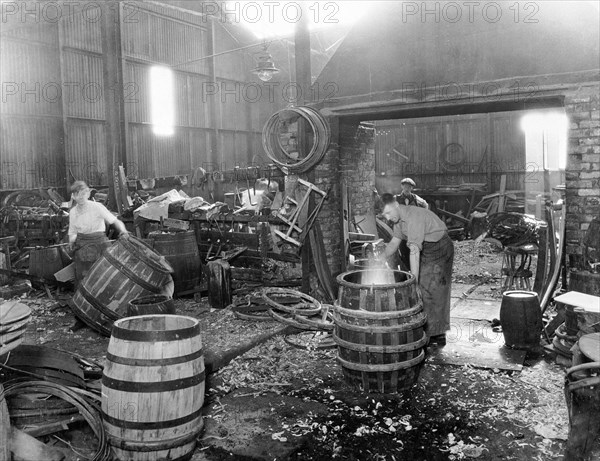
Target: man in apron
431	258
87	229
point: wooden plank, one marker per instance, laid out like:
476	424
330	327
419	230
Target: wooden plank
125	198
4	429
345	225
319	254
116	183
501	197
454	216
51	428
176	223
233	238
542	262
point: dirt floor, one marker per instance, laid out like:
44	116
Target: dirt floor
286	398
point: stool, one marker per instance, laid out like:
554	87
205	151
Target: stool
516	265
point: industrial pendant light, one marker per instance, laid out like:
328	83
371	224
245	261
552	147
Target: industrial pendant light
265	68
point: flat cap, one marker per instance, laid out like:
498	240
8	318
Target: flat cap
408	181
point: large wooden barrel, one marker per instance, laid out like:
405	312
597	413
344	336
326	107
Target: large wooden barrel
379	330
521	319
153	388
181	251
128	269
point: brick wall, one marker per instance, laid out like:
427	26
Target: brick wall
352	162
582	106
357	162
326	177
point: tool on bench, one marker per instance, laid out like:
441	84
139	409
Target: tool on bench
293	219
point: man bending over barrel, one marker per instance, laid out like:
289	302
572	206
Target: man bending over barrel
431	258
87	229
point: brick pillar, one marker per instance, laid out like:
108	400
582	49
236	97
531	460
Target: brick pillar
327	176
583	167
357	161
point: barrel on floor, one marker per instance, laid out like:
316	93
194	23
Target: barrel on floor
125	271
153	388
181	251
379	330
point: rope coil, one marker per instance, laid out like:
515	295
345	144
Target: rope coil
276	152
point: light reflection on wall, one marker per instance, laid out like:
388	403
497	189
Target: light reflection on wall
162	101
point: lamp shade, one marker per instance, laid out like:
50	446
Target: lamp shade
265	68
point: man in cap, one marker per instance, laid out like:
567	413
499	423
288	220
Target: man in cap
407	197
431	258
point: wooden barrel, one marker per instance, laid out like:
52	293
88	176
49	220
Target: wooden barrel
153	304
127	270
153	387
585	282
379	330
219	283
521	319
181	251
45	262
582	393
4	427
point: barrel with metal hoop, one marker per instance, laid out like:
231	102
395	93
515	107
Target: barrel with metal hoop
153	388
127	270
181	251
153	304
379	330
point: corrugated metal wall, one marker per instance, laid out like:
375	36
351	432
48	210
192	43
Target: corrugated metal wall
83	99
452	150
219	130
54	125
31	135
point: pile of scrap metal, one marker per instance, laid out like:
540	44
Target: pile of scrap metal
32	225
34	217
44	393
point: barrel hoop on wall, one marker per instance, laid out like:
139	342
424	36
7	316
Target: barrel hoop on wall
112	315
130	274
144	447
153	336
151	425
158	386
364	314
383	366
152	362
386	349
